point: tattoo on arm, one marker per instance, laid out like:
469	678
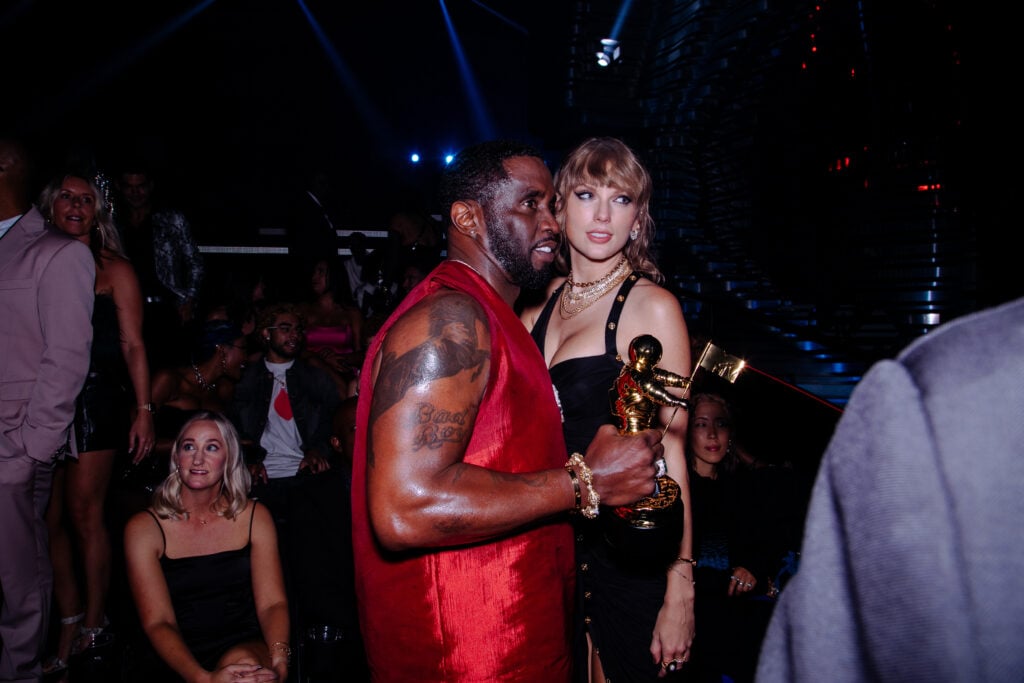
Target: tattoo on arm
450	348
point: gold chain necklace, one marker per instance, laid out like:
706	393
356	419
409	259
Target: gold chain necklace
571	303
606	276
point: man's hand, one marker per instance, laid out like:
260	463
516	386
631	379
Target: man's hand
314	463
623	467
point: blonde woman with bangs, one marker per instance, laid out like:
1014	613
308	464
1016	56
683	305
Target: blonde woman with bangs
635	620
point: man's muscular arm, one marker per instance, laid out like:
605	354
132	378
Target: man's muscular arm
433	370
429	379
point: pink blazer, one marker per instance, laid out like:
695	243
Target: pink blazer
47	285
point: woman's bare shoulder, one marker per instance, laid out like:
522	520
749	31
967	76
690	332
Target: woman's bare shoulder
142	526
653	309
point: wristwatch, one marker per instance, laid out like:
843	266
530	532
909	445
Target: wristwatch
148	406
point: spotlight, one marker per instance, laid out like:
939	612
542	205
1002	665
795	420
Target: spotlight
414	158
610	52
449	158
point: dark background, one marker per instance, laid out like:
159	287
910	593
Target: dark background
832	179
238	99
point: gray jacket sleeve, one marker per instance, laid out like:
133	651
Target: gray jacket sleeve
911	566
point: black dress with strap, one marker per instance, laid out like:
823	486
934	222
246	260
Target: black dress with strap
213	599
617	601
102	406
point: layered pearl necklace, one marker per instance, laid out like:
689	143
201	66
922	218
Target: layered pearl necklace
579	296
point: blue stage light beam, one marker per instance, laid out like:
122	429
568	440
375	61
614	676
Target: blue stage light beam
367	112
81	88
610	47
620	19
518	27
481	119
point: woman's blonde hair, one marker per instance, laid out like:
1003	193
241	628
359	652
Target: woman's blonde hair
235	485
609	162
102	236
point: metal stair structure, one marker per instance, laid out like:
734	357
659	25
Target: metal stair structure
807	203
729	301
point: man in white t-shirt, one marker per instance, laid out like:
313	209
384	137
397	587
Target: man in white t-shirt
284	403
287	405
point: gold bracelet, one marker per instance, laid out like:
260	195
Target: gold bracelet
575	486
690	561
593	509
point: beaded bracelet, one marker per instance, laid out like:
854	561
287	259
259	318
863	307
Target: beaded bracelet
283	646
575	486
593	508
690	561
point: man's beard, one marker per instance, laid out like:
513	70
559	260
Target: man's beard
284	352
513	258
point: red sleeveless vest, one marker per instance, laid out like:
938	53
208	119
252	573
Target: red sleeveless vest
494	611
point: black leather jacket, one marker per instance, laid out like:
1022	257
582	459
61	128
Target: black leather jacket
313	396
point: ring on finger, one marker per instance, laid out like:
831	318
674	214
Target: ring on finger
662	468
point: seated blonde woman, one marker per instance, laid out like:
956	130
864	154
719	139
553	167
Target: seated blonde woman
203	565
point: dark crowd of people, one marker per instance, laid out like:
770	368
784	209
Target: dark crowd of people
142	341
406	464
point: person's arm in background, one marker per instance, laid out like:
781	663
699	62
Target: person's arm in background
746	539
65	299
128	300
420	492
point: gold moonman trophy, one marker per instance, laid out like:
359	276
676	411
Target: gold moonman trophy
650	529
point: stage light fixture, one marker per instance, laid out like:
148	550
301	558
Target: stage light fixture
414	158
610	52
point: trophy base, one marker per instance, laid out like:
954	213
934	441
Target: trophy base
650	530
